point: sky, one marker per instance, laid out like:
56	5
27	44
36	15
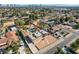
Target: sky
39	1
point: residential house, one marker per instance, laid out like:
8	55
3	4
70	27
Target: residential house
8	39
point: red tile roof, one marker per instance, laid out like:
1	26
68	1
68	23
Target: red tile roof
12	36
3	42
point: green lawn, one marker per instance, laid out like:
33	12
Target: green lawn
75	45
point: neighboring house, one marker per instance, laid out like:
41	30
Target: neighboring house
12	27
8	38
12	35
9	23
3	42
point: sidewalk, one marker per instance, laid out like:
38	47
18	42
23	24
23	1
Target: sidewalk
32	47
